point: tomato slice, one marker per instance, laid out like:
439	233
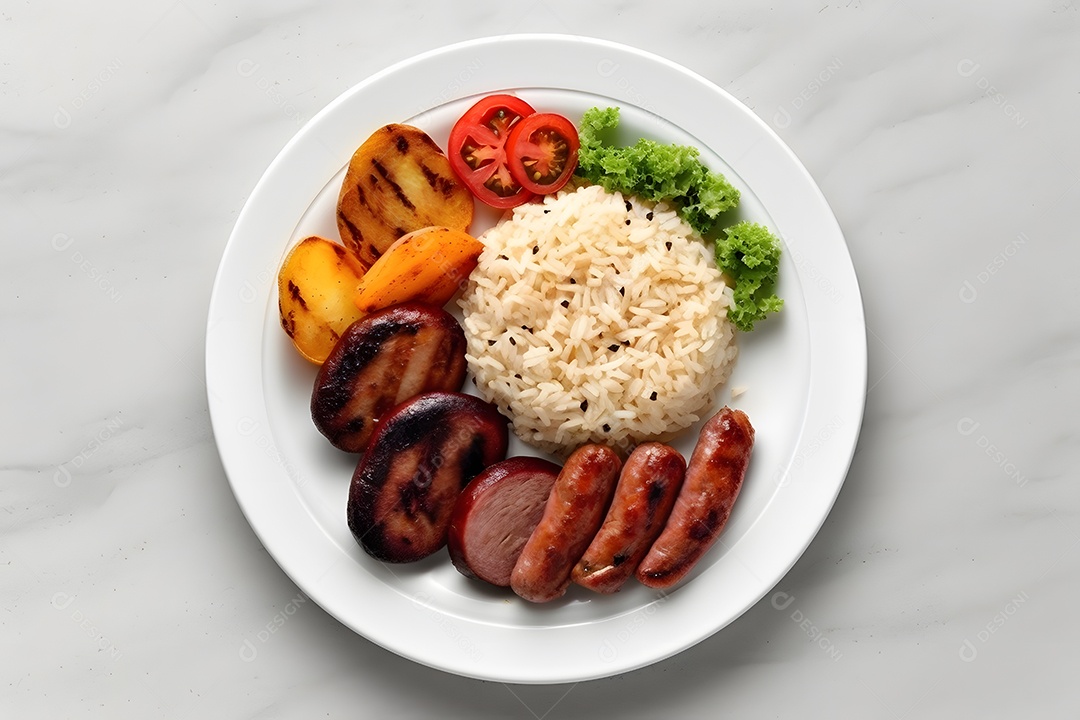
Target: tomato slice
543	150
477	150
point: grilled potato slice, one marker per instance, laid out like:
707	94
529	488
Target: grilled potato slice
427	265
316	285
398	181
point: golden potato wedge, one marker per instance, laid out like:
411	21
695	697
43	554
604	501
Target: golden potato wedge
316	284
398	181
427	265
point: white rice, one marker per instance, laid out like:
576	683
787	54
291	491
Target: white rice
574	318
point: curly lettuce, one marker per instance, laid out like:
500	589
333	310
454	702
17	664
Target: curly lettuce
750	254
653	171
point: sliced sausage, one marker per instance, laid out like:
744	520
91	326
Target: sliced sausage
380	361
572	515
713	480
646	492
496	514
422	454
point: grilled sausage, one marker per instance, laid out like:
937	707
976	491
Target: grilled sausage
496	514
421	455
380	361
713	480
646	492
572	515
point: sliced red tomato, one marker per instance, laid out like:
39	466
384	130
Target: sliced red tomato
543	150
478	154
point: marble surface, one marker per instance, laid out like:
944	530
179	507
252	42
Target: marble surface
940	586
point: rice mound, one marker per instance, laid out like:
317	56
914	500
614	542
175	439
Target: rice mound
597	318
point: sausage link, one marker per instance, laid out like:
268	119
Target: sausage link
573	513
713	480
646	492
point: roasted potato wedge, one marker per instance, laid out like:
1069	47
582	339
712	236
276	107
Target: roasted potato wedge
398	181
427	265
316	285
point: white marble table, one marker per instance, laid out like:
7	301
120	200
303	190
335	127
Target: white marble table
944	136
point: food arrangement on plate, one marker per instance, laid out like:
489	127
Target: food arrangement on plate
599	318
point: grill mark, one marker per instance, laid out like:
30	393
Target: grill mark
398	192
705	527
288	322
426	139
294	293
354	232
438	182
656	494
402	144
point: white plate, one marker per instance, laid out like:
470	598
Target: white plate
804	370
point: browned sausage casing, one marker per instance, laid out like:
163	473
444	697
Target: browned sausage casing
380	361
646	492
422	454
572	516
713	480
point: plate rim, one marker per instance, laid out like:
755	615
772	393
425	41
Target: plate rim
254	508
